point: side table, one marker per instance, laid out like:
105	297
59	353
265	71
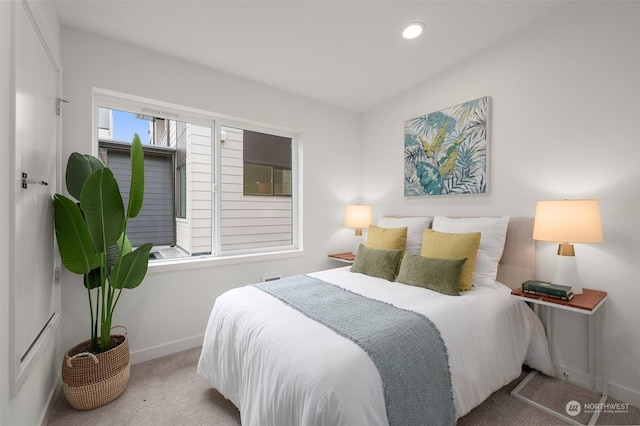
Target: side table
343	257
587	303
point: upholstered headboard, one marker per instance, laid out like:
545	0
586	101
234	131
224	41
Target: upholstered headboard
518	262
518	258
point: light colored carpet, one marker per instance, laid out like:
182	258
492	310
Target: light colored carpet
166	391
503	409
163	391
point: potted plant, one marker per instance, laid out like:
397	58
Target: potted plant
92	242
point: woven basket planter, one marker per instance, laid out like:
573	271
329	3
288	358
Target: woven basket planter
90	381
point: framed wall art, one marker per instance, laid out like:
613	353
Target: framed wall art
445	152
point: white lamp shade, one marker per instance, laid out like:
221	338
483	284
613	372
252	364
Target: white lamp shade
570	221
358	216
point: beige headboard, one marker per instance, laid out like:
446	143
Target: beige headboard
518	262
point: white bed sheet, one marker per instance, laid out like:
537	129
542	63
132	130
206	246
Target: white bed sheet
281	368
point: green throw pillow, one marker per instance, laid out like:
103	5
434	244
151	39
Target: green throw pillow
444	245
441	275
381	263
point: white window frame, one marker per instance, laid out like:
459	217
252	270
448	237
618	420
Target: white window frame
127	102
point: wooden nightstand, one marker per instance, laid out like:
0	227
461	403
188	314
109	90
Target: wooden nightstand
343	257
586	303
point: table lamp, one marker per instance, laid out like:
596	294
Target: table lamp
358	217
566	222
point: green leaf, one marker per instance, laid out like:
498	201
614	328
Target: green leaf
430	178
439	138
79	167
136	190
93	279
113	252
103	209
131	271
74	242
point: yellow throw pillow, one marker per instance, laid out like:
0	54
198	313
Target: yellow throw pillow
387	238
453	246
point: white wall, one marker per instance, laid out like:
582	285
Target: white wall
29	406
565	95
169	310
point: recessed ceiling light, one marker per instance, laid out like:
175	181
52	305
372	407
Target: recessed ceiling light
413	30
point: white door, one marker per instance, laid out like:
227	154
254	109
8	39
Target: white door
36	135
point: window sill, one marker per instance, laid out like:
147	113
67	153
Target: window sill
207	261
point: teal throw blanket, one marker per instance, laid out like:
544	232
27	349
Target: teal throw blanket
405	346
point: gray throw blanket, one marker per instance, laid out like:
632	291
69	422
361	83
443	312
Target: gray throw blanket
405	346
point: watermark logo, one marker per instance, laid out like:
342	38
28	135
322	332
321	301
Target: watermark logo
607	407
573	408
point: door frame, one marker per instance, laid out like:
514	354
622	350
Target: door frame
48	338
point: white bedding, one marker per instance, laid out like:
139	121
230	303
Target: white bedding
281	368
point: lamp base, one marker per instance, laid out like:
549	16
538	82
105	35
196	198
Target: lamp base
566	273
566	249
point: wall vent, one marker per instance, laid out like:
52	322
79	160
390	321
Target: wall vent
271	277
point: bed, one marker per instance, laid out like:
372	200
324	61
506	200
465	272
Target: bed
280	367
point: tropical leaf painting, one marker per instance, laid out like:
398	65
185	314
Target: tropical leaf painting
445	152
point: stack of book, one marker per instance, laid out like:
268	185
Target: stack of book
542	288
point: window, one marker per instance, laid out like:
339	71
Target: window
257	180
267	164
256	211
181	191
201	197
179	132
156	221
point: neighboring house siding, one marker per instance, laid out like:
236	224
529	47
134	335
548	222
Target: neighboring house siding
199	190
249	221
155	222
194	233
183	230
105	124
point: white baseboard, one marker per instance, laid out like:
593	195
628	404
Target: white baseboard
624	394
135	358
53	397
166	349
616	391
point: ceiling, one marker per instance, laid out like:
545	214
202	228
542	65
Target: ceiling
344	53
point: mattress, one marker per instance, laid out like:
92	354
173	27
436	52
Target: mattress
281	368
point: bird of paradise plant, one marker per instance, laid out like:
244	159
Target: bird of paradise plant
91	235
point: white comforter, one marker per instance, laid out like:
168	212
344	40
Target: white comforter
281	368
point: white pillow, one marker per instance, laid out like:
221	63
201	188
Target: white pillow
493	233
415	229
